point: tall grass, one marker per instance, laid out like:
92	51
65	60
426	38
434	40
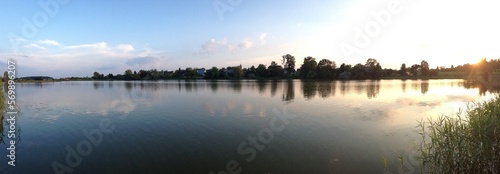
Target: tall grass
468	143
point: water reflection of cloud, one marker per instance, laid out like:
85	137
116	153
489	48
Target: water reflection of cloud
418	102
436	101
463	98
122	105
216	108
371	114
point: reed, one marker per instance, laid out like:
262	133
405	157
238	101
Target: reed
467	143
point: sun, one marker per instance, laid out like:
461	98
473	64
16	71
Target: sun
476	61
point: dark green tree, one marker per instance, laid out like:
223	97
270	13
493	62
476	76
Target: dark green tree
275	70
373	69
358	72
326	68
402	70
288	62
212	73
414	69
308	68
191	73
96	76
424	68
261	71
238	72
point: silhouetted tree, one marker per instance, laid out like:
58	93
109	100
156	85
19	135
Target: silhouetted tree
212	73
238	72
326	68
288	62
261	70
358	71
308	68
414	69
402	70
373	69
424	68
275	70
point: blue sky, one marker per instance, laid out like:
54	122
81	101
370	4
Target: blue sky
76	38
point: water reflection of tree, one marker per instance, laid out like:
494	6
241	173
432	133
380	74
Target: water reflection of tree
188	85
414	85
359	87
214	85
261	86
236	85
344	87
373	89
149	86
483	88
128	86
309	88
274	87
98	85
403	85
424	86
327	88
288	92
110	84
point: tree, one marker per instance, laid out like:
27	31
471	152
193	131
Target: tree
261	70
5	81
373	68
377	73
191	73
308	68
358	72
424	68
212	73
110	76
253	70
414	69
96	75
275	70
403	71
288	62
178	73
343	68
238	72
434	72
325	68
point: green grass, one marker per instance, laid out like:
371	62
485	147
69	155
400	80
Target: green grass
467	143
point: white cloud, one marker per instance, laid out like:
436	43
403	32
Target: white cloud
144	62
246	44
49	42
36	46
125	47
59	60
223	45
100	45
262	38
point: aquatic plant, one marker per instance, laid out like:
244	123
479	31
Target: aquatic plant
467	143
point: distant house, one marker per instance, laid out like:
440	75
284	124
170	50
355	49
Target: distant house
201	72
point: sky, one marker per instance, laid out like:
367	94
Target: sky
64	38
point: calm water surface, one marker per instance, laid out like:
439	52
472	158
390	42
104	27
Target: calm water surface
203	126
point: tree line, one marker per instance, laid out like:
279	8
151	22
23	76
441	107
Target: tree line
310	69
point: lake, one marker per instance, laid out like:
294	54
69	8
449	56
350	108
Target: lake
197	126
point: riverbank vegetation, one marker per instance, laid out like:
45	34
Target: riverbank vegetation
468	143
311	69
